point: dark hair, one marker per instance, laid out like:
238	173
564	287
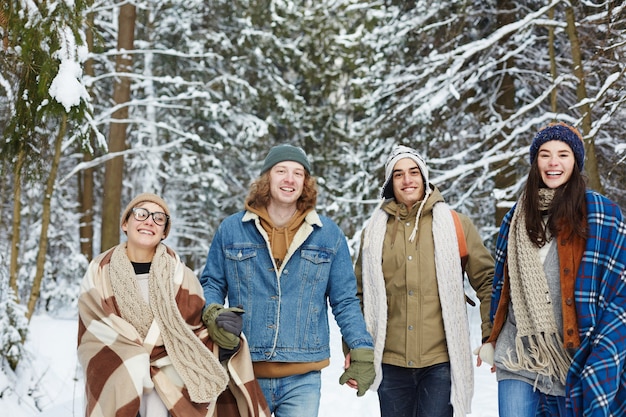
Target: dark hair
567	211
259	194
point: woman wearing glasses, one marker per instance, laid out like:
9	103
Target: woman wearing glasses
141	341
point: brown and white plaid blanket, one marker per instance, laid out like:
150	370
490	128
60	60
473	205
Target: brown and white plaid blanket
121	365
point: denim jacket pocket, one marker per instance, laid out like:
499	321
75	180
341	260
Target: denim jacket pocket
240	253
240	261
317	265
317	256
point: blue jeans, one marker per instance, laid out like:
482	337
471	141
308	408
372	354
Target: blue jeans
293	396
519	399
410	392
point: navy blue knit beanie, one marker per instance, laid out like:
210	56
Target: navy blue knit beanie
564	133
286	152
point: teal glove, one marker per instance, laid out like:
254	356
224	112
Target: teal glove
224	324
361	369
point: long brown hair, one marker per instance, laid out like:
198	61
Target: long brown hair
567	211
259	194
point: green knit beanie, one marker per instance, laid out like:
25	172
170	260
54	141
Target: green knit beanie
286	152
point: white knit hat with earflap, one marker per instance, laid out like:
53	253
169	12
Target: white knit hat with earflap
400	152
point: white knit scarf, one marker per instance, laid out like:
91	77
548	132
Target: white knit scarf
530	295
204	377
451	295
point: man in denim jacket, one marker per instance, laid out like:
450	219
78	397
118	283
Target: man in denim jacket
281	263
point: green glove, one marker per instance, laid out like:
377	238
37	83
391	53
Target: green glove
361	369
224	324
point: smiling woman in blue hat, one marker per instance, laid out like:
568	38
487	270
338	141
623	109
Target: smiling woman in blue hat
559	304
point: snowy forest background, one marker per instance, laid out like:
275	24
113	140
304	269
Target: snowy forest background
103	99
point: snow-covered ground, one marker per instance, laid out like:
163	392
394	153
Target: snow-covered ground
52	387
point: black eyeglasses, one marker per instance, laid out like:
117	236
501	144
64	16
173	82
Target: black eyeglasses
142	214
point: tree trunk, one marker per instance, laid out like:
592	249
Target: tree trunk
4	24
552	54
45	221
85	178
4	184
17	220
114	168
86	204
591	163
505	101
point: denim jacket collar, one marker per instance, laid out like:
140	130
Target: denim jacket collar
312	218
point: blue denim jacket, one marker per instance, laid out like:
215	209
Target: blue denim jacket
286	317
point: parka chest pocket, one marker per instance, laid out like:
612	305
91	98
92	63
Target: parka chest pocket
240	261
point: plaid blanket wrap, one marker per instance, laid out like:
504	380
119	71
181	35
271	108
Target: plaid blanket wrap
120	366
596	380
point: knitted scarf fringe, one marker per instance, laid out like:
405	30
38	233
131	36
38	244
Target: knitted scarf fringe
543	355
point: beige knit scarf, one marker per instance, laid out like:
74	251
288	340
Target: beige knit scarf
204	377
534	314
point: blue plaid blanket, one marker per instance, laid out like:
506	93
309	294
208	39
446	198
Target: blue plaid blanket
596	381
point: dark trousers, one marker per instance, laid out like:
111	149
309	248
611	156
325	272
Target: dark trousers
410	392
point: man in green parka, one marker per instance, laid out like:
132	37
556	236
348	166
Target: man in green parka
410	279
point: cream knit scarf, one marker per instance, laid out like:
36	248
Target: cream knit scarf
204	377
451	295
534	314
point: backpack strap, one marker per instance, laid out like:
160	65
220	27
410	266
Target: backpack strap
460	235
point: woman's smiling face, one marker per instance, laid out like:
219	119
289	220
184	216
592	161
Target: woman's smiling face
555	160
144	233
